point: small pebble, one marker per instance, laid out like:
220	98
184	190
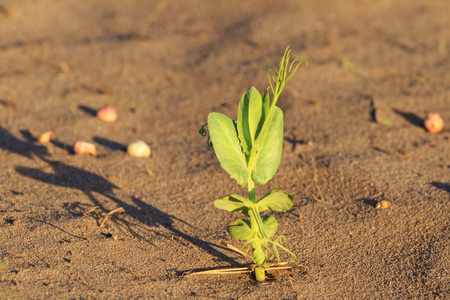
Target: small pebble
46	137
139	149
84	148
433	123
107	114
382	205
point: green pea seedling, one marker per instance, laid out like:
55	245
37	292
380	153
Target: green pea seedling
249	150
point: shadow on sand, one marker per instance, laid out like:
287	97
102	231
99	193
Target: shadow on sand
411	118
92	185
441	185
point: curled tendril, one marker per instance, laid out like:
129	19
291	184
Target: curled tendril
203	132
280	240
208	141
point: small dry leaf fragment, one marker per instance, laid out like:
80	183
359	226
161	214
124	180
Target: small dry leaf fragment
382	205
139	149
64	67
433	123
8	104
84	148
107	114
46	137
102	90
9	12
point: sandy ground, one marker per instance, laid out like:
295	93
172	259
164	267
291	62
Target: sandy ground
376	69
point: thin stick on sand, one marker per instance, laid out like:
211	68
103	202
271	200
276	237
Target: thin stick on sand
117	210
278	266
152	17
322	198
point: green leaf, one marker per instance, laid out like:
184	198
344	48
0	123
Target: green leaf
240	230
270	225
249	116
265	111
233	203
275	201
224	138
268	157
266	104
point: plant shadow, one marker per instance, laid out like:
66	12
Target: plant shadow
88	110
371	200
411	118
25	148
109	144
441	185
140	216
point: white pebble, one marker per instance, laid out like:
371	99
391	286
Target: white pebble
139	149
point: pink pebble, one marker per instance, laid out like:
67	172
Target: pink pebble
433	123
84	148
107	114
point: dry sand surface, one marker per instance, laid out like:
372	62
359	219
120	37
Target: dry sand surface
376	69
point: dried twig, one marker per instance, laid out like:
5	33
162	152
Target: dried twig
137	274
152	17
14	254
231	247
64	67
248	269
305	272
322	198
223	271
292	285
102	90
8	198
302	223
91	210
100	171
149	171
117	210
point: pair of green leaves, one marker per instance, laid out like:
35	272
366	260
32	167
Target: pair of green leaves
241	229
274	200
251	147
